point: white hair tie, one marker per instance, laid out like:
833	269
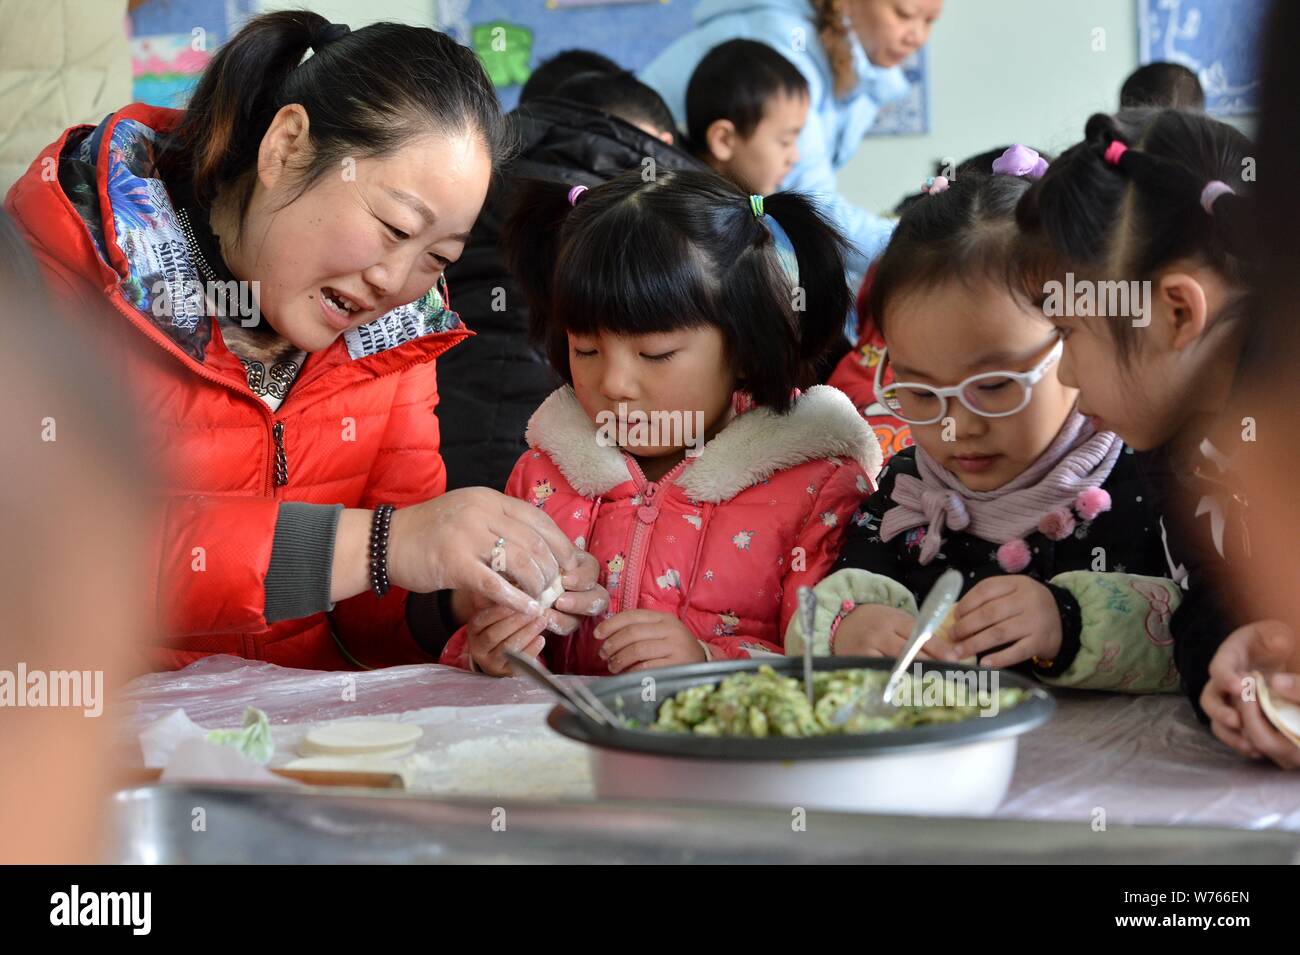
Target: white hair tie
1210	194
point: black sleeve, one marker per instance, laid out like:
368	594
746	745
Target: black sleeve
863	548
1208	612
429	617
1199	626
1071	628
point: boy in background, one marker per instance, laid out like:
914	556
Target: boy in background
745	107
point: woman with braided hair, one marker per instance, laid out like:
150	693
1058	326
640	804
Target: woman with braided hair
850	52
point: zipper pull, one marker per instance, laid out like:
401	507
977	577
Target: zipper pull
648	511
281	461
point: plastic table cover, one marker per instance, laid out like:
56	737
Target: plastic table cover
1135	759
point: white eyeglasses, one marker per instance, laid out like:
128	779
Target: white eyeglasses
991	394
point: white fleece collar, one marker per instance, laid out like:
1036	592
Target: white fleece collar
822	423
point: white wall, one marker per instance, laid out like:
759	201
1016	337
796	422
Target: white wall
1003	71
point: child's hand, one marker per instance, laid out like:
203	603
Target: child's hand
495	630
1014	612
878	630
641	639
1265	646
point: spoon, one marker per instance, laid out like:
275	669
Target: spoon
578	699
808	615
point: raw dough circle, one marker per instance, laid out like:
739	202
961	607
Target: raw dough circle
347	764
374	737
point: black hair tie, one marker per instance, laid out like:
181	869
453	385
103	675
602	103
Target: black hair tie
328	34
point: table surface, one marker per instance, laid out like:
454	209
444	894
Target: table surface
1133	759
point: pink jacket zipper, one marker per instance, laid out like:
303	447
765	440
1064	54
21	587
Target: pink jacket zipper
647	513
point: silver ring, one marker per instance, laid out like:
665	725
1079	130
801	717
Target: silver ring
498	553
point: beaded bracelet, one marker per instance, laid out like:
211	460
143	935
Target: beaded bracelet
379	548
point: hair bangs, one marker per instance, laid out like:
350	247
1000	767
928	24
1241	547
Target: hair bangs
630	276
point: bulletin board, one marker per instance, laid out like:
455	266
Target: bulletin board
1218	40
173	40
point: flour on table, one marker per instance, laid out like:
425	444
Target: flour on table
503	766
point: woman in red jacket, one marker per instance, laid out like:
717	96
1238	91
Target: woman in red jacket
273	257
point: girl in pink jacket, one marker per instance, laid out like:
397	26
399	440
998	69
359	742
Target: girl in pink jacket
683	316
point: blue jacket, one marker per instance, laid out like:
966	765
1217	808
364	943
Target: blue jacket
835	125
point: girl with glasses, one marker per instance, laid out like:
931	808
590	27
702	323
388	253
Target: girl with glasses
1042	513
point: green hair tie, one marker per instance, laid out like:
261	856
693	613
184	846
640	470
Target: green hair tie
756	206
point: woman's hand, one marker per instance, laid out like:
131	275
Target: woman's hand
641	639
1014	612
1261	646
582	597
449	543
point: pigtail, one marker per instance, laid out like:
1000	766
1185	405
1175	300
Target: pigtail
1236	223
1144	188
531	236
1231	214
1075	203
823	293
234	102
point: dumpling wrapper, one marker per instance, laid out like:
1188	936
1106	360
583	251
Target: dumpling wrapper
551	594
363	737
1283	714
364	763
944	632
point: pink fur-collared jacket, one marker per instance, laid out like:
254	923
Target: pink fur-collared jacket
722	541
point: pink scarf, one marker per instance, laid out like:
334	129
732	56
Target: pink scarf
1077	459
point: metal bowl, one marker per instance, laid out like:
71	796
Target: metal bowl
952	768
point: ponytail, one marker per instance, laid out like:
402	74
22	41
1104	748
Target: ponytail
823	292
366	93
231	107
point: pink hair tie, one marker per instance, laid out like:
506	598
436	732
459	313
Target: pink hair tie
574	193
1114	151
934	185
1210	194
